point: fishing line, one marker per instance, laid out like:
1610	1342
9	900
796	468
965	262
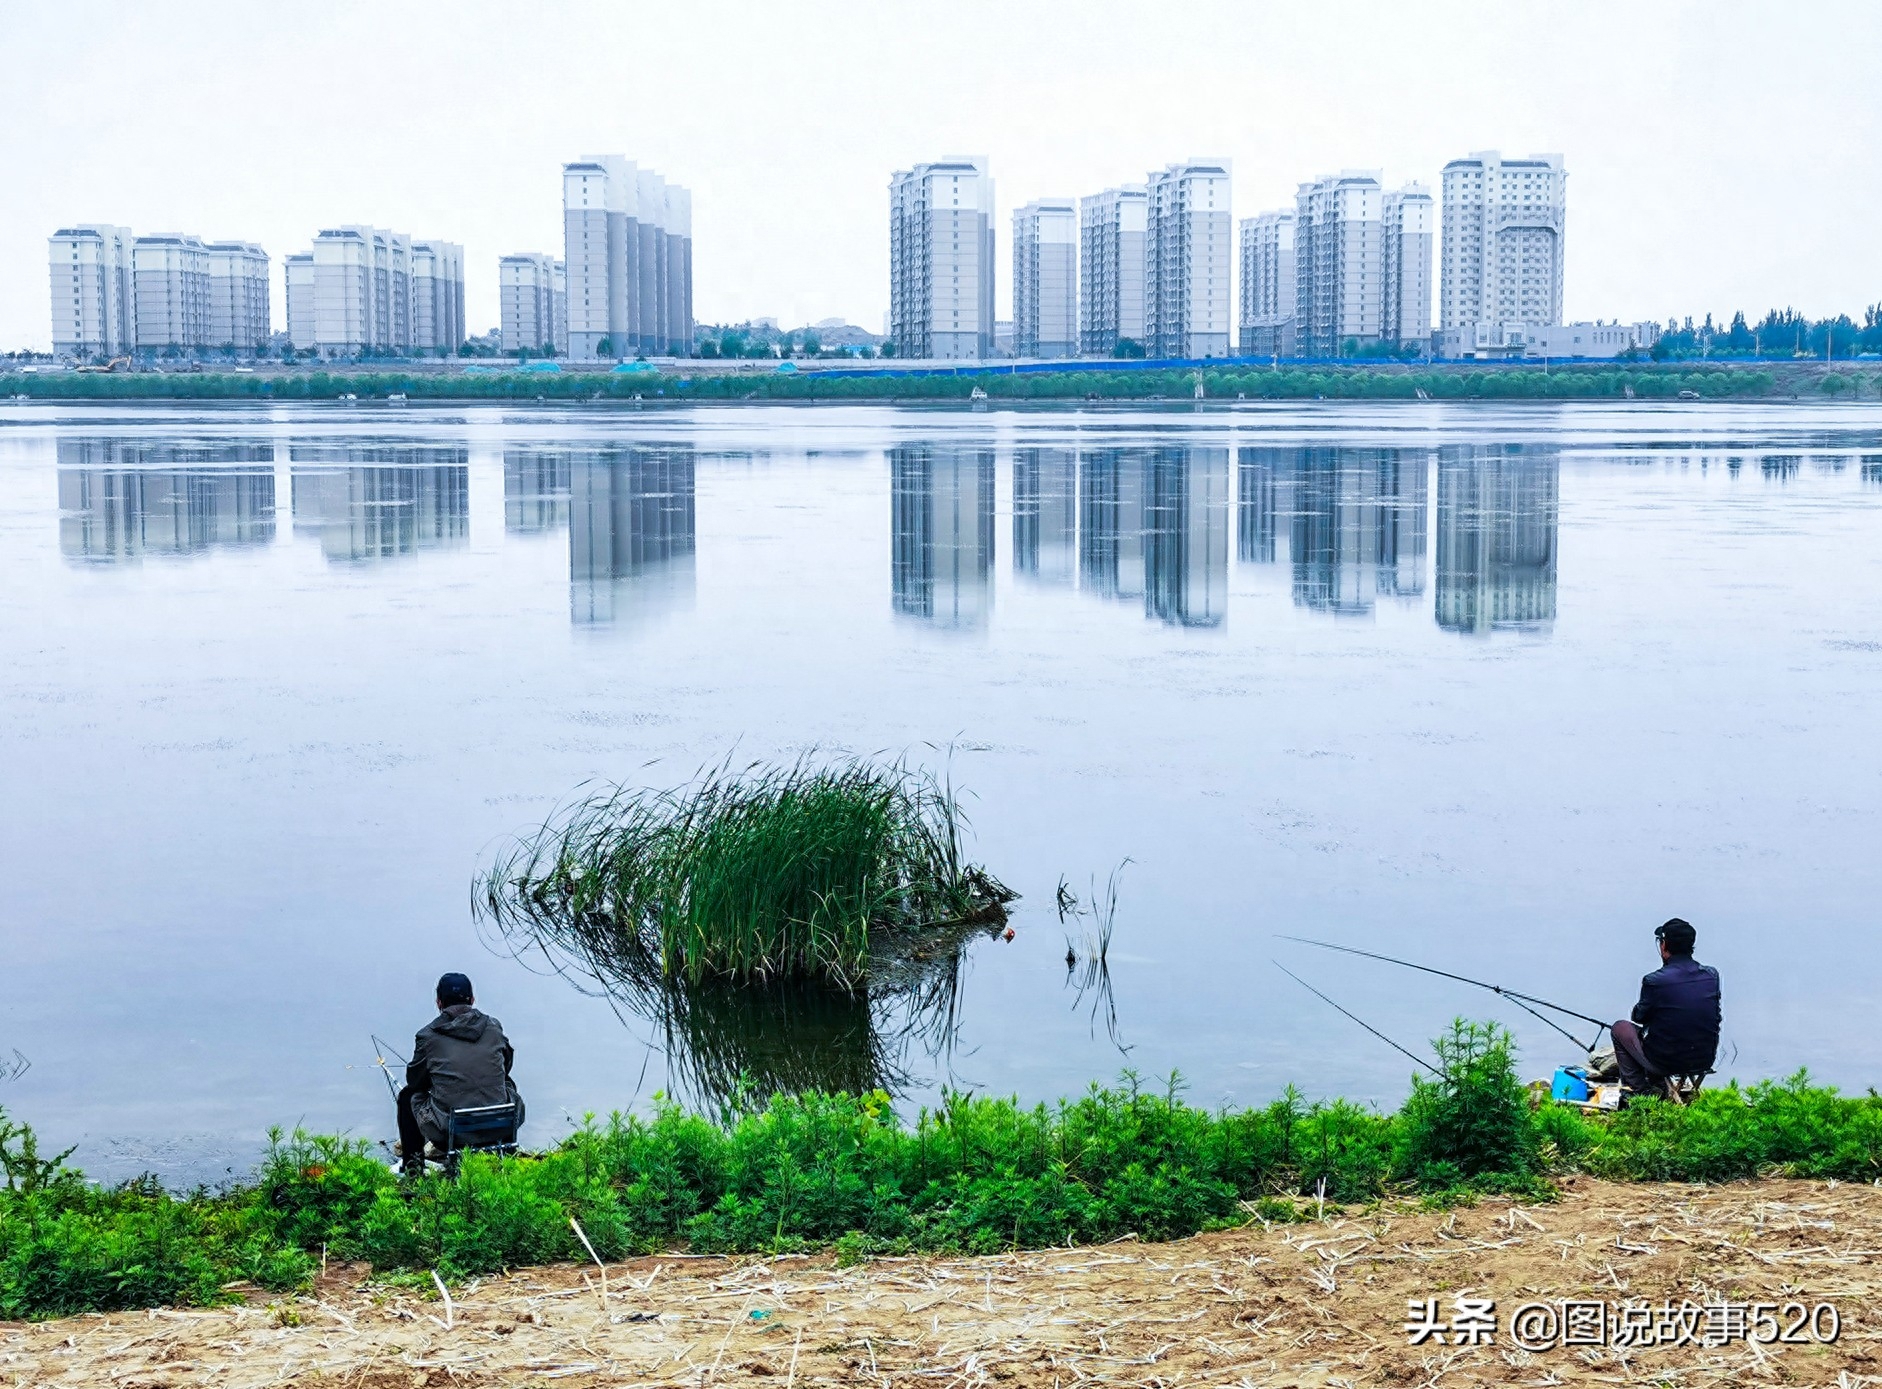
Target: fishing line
1422	1065
1518	998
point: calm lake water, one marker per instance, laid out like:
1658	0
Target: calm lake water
1494	688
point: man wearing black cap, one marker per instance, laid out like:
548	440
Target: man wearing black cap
1675	1027
460	1060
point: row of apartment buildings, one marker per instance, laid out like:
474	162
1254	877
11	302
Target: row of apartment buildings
1348	265
115	293
623	288
1148	263
367	291
359	290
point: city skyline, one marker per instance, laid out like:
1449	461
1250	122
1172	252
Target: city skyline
1644	246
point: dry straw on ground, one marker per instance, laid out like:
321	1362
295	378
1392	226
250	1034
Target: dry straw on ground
1322	1303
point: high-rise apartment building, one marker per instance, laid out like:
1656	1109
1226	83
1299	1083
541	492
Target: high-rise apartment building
297	282
1409	223
941	259
1503	227
1188	260
533	291
628	249
1267	297
354	271
1339	262
1111	268
170	293
377	292
1045	279
91	290
238	297
437	318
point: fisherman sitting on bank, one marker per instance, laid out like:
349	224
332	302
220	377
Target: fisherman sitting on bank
460	1060
1675	1026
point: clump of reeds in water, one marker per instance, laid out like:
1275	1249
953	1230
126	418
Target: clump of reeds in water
794	872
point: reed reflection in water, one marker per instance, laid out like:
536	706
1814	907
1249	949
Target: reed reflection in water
730	1045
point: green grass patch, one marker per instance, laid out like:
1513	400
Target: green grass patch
798	872
845	1171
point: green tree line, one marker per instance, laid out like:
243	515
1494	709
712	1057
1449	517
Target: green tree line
1230	383
1780	333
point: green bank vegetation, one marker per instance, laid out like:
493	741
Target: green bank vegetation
1578	382
820	1170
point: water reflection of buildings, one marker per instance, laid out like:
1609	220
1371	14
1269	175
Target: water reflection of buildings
631	533
1154	524
1497	523
1349	522
1186	536
366	502
1111	522
120	500
1045	515
535	490
941	533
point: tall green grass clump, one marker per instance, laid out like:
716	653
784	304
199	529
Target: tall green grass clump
765	873
1474	1120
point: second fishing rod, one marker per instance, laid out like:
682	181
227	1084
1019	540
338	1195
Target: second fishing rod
1520	999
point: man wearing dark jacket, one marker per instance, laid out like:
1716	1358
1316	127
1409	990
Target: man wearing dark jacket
1675	1027
460	1060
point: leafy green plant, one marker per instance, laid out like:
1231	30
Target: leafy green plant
1474	1119
26	1171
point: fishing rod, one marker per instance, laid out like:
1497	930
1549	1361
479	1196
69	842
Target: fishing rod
1521	1000
1421	1065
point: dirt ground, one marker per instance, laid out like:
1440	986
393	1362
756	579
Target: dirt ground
1320	1303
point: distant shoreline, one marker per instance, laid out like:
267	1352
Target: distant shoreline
1231	382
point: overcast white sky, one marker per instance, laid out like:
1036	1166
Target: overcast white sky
1720	154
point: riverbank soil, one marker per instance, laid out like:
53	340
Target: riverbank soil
1322	1302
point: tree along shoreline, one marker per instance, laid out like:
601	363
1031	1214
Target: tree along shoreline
1581	381
974	1175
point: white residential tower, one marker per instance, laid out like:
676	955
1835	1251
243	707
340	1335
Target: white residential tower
941	259
91	290
1504	221
1045	279
533	289
1188	260
1111	269
1267	297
